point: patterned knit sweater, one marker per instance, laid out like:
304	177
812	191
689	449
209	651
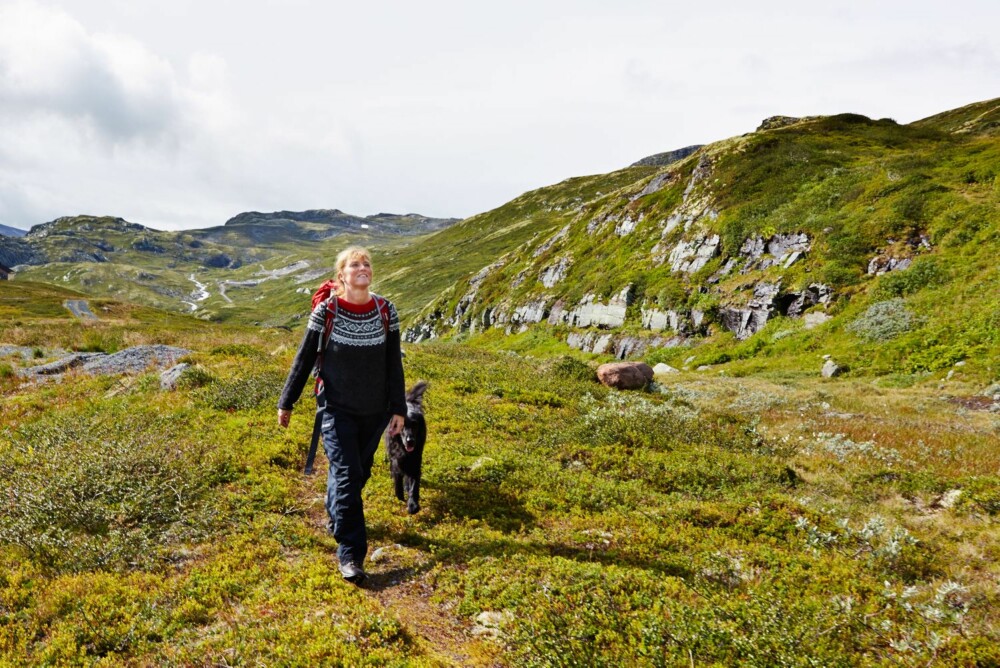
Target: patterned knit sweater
362	366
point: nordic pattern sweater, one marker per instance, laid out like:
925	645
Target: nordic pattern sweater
362	366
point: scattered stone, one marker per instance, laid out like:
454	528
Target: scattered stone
383	552
625	375
490	624
830	369
947	500
663	369
826	357
169	378
704	367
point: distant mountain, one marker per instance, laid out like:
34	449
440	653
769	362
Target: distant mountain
11	231
257	228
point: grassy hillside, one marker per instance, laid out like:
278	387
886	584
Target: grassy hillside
858	189
712	520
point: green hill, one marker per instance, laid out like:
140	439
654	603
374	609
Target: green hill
762	249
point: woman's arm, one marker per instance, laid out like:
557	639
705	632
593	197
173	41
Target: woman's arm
304	361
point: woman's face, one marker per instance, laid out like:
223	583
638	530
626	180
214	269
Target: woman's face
357	273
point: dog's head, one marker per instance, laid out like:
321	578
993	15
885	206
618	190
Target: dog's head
413	425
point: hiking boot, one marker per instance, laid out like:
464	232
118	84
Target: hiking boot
352	572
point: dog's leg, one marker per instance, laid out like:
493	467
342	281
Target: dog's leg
413	494
397	479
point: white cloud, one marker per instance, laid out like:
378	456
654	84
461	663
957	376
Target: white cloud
184	113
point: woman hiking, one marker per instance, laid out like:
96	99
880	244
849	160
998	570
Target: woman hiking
361	371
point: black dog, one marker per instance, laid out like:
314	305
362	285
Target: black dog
406	449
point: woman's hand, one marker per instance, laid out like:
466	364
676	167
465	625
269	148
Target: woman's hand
395	425
284	417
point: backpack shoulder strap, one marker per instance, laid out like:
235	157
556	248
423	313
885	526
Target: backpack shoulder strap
383	310
330	305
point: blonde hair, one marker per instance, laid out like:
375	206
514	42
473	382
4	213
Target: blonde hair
349	254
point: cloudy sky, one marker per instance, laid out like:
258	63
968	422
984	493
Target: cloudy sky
182	113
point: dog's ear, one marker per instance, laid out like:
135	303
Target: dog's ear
416	394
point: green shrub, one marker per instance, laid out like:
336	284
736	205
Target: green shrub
883	321
570	367
924	272
255	389
100	490
194	377
6	370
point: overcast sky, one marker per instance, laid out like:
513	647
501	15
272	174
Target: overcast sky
183	113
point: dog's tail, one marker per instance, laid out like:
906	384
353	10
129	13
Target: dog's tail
416	394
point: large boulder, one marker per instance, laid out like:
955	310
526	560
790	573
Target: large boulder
625	375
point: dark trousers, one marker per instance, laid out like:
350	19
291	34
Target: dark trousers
350	442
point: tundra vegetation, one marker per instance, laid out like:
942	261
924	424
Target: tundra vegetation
768	519
741	511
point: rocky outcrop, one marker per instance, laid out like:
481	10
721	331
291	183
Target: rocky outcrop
657	321
130	360
775	122
690	256
689	212
555	273
590	312
625	375
666	158
794	304
627	225
898	256
621	346
750	319
882	265
780	250
551	241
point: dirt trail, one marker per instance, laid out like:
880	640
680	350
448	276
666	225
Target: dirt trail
445	638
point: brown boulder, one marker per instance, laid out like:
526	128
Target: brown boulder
625	375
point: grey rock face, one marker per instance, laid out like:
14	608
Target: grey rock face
781	249
620	346
690	256
746	321
555	273
551	241
592	313
531	312
663	159
816	293
830	369
627	225
658	321
882	265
